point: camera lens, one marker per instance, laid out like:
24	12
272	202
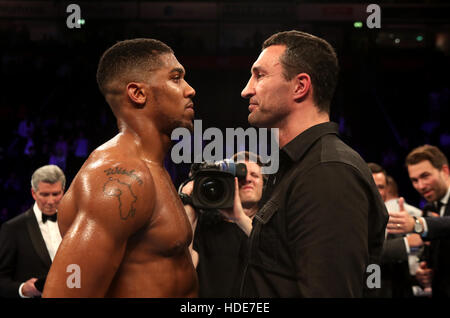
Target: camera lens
212	189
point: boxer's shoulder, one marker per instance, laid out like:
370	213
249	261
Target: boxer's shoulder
115	185
118	158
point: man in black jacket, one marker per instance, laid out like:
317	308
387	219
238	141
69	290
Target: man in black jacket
322	221
28	242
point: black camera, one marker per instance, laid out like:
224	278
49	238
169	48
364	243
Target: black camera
214	183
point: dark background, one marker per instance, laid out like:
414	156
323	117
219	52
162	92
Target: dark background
393	92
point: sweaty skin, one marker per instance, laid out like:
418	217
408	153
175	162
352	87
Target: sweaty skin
122	222
129	237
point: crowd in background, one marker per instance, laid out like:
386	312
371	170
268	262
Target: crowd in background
51	111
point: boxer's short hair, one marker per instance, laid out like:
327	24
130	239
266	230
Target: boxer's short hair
129	61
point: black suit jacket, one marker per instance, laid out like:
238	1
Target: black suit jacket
396	281
23	253
439	234
438	228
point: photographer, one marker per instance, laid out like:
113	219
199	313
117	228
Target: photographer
218	248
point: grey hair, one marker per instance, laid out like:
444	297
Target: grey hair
48	174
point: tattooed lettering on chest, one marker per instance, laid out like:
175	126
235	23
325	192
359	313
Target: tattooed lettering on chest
123	171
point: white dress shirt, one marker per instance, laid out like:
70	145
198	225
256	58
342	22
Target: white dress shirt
50	232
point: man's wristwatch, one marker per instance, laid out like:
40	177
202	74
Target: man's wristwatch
418	227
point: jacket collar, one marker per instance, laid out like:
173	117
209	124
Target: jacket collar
298	146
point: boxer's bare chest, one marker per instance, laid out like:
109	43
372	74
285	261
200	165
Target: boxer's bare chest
169	231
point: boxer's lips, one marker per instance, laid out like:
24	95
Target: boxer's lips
190	108
247	188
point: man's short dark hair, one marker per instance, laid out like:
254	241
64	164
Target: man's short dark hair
427	152
129	60
392	187
376	168
306	53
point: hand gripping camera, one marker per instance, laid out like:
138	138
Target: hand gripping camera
214	183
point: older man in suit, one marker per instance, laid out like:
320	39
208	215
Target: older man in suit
28	242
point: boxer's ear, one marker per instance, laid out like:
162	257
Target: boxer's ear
137	94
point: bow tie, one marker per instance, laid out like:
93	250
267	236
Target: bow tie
46	217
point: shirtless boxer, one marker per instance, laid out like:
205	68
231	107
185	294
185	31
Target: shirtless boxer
122	221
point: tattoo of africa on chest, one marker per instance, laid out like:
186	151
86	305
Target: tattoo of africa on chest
121	189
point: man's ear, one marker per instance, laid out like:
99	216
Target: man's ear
302	86
137	94
445	170
33	194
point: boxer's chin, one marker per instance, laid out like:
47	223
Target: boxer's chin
187	124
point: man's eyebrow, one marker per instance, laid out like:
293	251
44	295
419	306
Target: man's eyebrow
256	69
178	70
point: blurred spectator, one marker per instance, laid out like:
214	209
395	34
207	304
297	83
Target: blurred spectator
26	128
81	146
58	158
61	146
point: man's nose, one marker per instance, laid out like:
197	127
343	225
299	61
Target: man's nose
248	179
243	181
190	91
421	184
51	200
248	90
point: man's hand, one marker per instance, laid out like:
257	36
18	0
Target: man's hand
414	240
188	188
237	214
424	275
29	290
400	222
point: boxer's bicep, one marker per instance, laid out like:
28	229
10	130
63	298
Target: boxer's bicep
112	206
86	261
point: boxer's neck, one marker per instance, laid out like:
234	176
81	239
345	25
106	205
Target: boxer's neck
152	144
